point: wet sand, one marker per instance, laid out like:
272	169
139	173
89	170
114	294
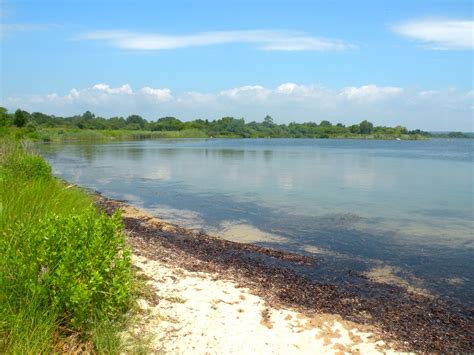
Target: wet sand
404	318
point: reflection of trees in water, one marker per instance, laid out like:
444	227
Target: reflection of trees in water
347	234
91	152
267	155
239	154
88	152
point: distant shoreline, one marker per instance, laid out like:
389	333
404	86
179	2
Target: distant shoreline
43	127
54	135
416	321
58	135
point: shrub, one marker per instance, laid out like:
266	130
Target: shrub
27	166
76	264
63	264
19	118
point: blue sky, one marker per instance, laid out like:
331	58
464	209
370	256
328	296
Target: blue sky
408	62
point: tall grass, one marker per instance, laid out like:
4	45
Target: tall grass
86	135
64	266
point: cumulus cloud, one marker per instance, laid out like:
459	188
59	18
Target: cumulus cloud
448	109
370	92
157	94
264	40
441	34
286	88
124	89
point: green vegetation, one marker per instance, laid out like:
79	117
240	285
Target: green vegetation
65	270
454	135
39	126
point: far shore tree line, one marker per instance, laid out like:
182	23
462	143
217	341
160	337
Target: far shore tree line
224	127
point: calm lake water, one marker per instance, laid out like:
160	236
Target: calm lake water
401	211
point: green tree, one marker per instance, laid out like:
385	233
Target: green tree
168	124
3	116
399	130
19	118
136	119
229	126
366	127
355	128
268	121
116	122
88	116
457	135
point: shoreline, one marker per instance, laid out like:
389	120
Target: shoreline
404	320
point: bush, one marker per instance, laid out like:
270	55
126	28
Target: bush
76	264
33	167
63	264
19	119
26	166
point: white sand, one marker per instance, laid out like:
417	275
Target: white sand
198	313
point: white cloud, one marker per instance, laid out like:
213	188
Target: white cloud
194	97
441	34
157	94
447	109
264	40
428	93
370	92
124	89
247	91
6	29
292	91
287	88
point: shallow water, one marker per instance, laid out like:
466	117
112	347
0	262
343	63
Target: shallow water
403	209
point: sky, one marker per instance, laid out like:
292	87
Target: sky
407	62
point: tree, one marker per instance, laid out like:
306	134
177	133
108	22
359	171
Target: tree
19	118
229	125
366	127
116	122
168	124
41	118
88	116
3	116
355	128
268	121
135	119
399	130
457	135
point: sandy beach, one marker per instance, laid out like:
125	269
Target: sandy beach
215	296
199	313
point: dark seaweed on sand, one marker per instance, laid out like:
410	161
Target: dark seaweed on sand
412	322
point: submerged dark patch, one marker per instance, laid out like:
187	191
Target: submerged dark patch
415	322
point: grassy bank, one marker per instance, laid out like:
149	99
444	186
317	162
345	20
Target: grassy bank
94	135
81	135
65	270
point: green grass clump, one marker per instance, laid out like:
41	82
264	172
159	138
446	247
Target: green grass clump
64	266
85	135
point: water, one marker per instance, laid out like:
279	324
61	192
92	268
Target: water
399	210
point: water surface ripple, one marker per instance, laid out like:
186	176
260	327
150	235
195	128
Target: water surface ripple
400	211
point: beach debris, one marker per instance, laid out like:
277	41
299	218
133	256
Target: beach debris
411	321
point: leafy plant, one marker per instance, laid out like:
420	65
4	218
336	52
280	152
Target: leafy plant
63	264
